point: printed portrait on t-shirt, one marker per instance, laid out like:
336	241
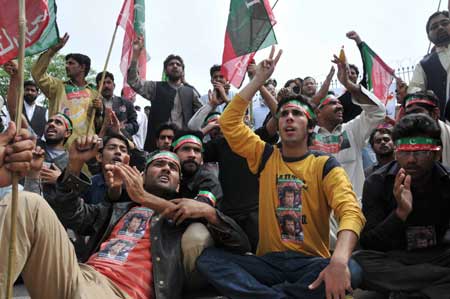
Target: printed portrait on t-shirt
117	250
134	225
330	144
289	207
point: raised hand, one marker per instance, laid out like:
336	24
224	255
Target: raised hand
265	68
11	68
354	36
16	153
82	150
50	175
133	180
138	45
402	194
62	42
342	74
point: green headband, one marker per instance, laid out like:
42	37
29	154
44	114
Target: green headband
186	139
211	117
165	155
325	101
67	121
297	104
417	144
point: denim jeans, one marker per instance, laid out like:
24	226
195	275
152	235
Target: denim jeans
274	275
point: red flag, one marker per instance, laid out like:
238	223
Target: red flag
37	14
132	20
249	28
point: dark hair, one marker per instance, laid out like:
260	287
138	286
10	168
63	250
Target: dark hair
108	137
381	131
289	189
355	68
426	94
271	81
213	69
288	82
288	217
303	100
172	57
137	108
81	59
416	125
444	13
147	107
165	126
308	77
30	83
107	75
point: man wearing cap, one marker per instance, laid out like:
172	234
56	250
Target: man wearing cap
431	73
172	100
427	102
298	265
345	141
407	207
148	263
75	97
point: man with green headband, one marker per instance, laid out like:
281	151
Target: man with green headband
294	261
144	264
426	102
346	141
407	207
57	131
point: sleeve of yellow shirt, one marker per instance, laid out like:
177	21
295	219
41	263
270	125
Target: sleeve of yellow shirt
342	199
242	140
46	83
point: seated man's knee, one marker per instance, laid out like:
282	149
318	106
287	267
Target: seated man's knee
194	240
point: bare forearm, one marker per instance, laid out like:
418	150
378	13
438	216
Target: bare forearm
357	94
345	244
271	102
12	96
155	203
250	89
323	91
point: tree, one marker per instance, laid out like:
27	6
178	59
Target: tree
57	68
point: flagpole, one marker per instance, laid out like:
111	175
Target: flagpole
102	80
18	120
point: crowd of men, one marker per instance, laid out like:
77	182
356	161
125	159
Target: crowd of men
259	193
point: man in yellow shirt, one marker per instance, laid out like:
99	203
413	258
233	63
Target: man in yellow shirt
293	260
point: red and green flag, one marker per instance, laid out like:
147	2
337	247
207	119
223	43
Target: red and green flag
379	74
41	29
132	20
249	28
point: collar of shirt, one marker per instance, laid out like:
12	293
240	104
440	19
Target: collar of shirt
321	130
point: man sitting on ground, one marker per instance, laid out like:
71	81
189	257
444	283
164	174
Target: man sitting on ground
287	266
407	206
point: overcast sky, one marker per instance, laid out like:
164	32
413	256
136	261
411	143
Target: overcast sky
309	32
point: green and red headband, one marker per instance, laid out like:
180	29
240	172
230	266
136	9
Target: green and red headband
325	101
211	118
410	144
66	120
164	155
186	139
297	105
418	100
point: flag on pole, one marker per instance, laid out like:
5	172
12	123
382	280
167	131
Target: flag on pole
249	28
379	74
41	32
132	20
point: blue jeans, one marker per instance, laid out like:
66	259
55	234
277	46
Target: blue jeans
274	275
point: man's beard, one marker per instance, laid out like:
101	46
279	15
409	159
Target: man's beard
29	98
189	172
386	154
53	141
173	77
443	38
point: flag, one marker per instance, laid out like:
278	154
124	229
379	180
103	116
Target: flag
249	28
132	20
50	36
39	14
379	74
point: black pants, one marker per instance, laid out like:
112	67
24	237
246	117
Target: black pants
249	223
427	271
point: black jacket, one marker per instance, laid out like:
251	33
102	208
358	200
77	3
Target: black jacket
97	221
